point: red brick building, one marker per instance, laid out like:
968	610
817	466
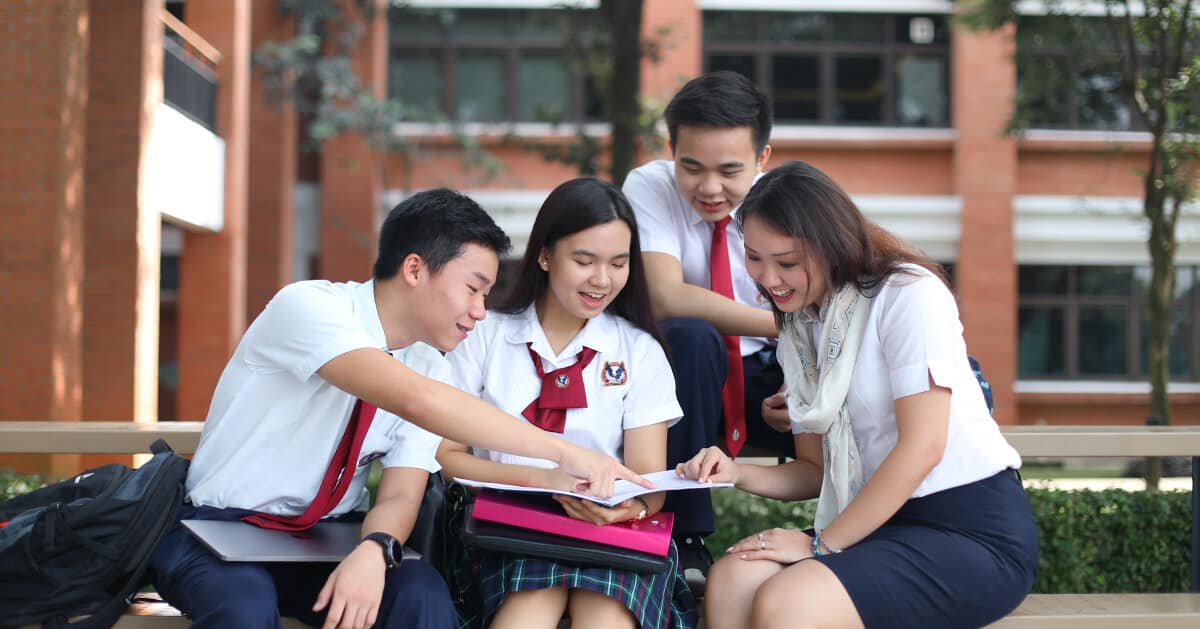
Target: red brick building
154	196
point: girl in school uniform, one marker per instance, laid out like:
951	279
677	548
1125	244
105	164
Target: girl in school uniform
575	350
921	518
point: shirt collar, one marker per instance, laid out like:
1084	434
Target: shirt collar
367	312
599	333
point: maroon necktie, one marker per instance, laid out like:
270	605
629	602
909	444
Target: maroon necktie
337	478
732	394
561	389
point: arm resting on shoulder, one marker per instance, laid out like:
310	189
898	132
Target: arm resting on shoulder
673	298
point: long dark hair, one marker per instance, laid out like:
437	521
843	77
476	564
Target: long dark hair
573	207
799	200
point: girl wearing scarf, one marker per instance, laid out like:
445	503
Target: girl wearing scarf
574	349
921	517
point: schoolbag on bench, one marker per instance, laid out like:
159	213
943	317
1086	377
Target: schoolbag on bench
82	546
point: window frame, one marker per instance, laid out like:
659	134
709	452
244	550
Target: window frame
761	48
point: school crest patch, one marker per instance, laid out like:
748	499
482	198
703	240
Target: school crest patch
614	374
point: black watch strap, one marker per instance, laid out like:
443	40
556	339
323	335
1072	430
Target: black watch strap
391	548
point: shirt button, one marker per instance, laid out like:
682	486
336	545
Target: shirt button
737	434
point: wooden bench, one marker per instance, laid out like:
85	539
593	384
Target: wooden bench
1165	611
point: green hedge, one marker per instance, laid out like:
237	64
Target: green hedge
1091	541
13	484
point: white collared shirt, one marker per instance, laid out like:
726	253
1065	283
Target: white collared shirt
629	383
913	333
668	224
274	423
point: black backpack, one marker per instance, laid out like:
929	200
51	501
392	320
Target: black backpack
82	546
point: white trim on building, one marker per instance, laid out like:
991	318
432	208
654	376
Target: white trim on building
833	6
1051	229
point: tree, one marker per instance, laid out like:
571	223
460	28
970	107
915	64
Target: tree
606	45
1157	73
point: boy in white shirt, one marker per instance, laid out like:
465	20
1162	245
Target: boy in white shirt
719	125
285	430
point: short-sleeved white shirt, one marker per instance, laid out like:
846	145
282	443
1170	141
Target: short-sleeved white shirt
914	333
274	423
629	383
668	224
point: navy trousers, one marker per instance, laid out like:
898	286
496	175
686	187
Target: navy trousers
217	594
700	363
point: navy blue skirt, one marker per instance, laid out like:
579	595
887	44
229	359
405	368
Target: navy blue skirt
962	557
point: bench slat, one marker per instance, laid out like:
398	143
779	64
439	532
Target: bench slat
1104	611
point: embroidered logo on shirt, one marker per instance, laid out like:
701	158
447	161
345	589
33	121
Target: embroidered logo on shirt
614	374
370	458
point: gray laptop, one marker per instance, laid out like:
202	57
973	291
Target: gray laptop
242	541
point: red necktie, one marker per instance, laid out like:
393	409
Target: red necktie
561	389
732	395
337	478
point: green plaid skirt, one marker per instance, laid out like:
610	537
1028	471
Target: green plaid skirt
481	579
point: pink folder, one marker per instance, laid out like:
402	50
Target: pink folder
650	535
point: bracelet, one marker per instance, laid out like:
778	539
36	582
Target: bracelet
645	508
817	543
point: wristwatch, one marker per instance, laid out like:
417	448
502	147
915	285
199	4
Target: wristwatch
392	551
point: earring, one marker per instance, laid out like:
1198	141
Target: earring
545	265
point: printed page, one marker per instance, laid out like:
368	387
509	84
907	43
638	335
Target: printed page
623	490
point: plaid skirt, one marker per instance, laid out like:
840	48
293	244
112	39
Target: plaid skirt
480	579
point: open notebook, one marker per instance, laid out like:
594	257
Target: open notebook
665	480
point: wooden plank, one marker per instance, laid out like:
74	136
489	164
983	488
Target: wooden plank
96	437
1030	441
1104	611
1084	441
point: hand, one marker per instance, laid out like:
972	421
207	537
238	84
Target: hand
599	514
556	478
596	472
353	590
775	412
710	465
786	546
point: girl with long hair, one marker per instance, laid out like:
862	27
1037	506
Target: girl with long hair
578	317
921	517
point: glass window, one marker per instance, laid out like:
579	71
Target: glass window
1040	342
838	68
479	65
921	92
797	86
859	95
1091	322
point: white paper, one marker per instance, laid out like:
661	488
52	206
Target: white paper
623	490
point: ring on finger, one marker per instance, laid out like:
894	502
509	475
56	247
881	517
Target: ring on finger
762	543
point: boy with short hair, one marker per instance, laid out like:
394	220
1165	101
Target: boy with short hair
711	313
286	443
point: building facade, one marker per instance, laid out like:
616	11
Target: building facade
147	223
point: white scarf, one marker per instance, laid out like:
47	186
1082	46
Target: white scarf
816	385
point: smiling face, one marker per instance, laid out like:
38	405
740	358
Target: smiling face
452	300
715	167
779	263
586	271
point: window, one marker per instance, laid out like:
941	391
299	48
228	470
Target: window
486	65
838	68
1059	86
1090	322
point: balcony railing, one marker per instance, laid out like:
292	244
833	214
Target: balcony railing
189	72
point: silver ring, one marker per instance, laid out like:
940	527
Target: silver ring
762	543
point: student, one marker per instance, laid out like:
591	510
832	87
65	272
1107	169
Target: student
274	443
713	318
578	323
921	519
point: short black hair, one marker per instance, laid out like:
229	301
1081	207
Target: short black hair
721	99
436	225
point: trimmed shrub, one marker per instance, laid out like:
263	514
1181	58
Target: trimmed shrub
1090	541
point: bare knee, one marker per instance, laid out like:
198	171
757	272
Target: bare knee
593	609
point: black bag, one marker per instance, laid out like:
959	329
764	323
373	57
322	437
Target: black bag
82	546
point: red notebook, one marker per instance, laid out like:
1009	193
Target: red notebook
650	535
